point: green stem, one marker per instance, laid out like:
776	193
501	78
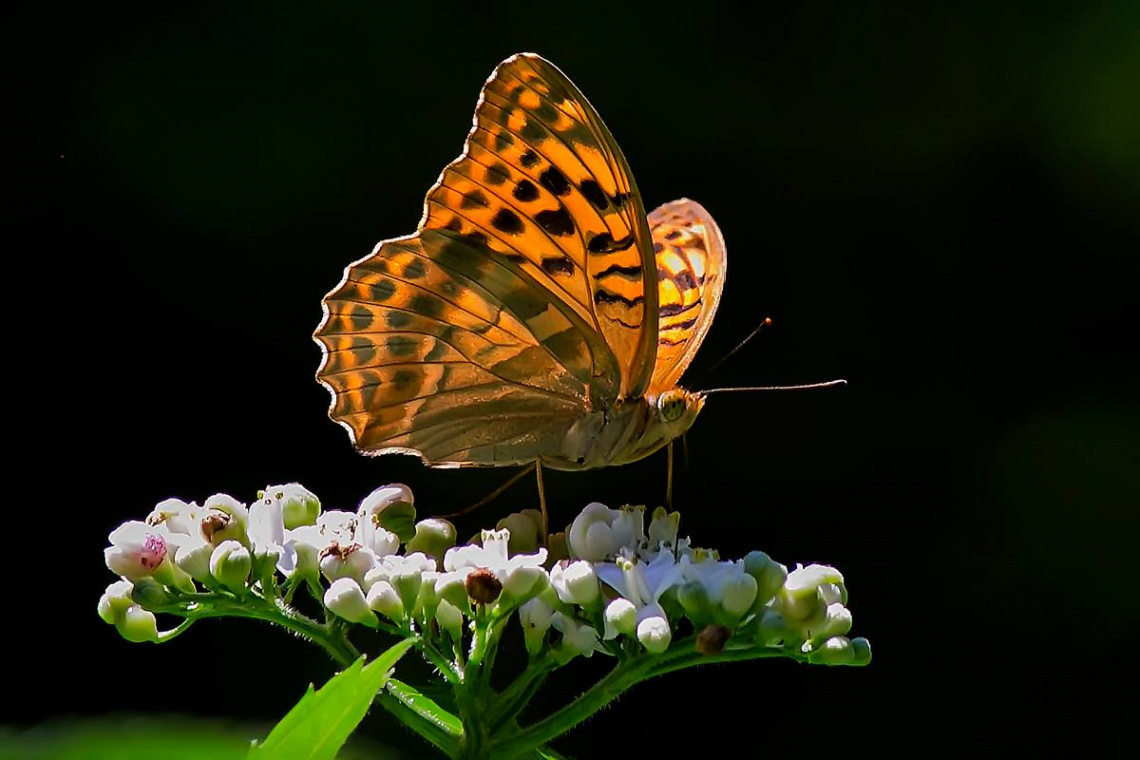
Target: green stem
516	696
515	742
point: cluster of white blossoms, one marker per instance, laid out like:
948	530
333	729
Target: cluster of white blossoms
608	584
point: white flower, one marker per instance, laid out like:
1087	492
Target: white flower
577	638
809	590
535	617
115	601
598	532
176	516
267	534
230	563
384	497
621	618
383	598
369	532
653	629
643	584
450	618
299	505
347	561
575	582
346	599
136	549
223	518
137	624
663	529
727	584
522	576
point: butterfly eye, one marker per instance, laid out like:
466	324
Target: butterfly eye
672	405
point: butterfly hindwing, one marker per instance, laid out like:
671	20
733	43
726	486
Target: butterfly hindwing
691	266
427	333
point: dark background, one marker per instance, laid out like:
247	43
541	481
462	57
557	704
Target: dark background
939	204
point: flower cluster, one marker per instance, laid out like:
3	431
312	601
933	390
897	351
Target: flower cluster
609	583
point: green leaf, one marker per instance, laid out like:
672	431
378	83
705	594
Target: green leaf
425	707
320	723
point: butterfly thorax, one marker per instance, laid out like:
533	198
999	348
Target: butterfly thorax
629	430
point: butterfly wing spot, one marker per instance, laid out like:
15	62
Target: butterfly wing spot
525	191
497	174
474	199
561	265
529	159
556	221
554	181
605	243
507	221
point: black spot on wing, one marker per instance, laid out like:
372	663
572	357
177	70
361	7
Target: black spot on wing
558	265
604	296
658	248
533	131
428	305
497	173
672	234
556	221
473	199
525	190
593	193
415	269
529	159
684	280
507	221
476	238
672	310
604	243
554	181
632	272
503	140
398	319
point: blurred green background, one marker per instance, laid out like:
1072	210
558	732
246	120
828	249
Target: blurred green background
939	203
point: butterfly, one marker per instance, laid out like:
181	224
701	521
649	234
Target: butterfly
538	314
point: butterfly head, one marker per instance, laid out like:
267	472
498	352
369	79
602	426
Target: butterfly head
676	410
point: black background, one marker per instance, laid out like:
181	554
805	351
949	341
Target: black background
937	203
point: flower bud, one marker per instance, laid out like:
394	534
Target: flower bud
835	651
390	507
193	557
769	574
556	548
771	628
653	629
115	601
450	619
434	536
737	595
346	561
535	618
525	531
428	598
224	518
230	564
694	600
383	598
712	639
137	625
149	593
523	581
299	505
452	586
598	532
483	587
836	622
621	618
575	582
345	599
862	650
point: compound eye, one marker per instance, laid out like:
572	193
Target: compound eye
672	405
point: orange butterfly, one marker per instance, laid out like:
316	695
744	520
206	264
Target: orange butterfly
537	315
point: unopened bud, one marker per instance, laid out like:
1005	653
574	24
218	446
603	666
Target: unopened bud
434	536
230	565
138	625
345	599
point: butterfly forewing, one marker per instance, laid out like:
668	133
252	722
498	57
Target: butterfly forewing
542	183
691	267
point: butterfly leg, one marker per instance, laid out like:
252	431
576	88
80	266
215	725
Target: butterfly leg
669	478
542	500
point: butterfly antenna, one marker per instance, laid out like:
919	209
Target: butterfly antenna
491	496
766	323
808	386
